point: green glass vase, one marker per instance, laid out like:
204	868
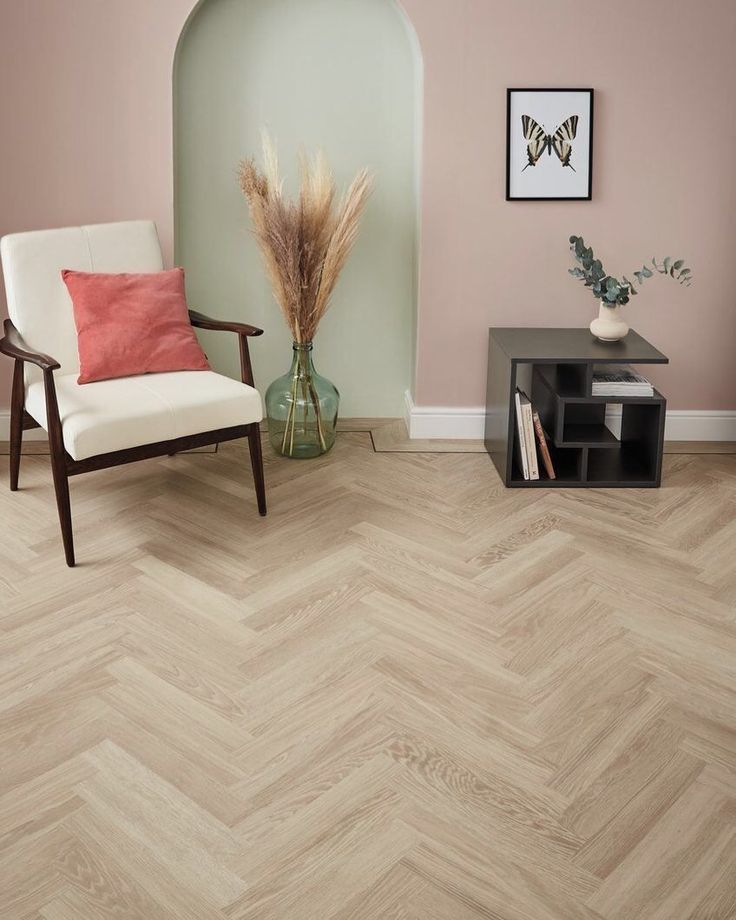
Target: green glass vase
301	408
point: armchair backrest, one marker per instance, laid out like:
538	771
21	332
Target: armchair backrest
38	301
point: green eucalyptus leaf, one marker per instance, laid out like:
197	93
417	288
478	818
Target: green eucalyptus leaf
612	290
632	290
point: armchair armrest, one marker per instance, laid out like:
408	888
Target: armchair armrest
207	322
243	330
12	345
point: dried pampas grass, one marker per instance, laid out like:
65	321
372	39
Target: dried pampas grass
306	242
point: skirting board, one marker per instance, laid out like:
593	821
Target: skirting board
461	423
33	434
457	423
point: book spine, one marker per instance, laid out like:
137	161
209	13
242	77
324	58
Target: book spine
543	449
531	446
520	440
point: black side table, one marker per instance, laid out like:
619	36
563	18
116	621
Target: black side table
555	369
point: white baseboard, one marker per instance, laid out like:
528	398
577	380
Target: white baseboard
453	423
463	423
688	424
33	434
459	423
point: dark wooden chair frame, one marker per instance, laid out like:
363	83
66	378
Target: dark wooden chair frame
63	466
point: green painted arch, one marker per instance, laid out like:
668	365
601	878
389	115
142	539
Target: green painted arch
344	75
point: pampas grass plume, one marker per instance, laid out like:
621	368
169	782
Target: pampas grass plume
305	242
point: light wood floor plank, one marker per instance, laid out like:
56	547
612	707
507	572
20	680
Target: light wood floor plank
406	694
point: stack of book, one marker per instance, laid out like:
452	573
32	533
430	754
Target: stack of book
529	433
619	380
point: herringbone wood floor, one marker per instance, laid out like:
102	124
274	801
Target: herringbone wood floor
407	693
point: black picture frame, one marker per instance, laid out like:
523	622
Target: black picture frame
574	89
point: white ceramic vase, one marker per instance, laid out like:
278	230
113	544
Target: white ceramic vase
608	326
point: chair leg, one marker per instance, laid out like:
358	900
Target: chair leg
17	400
61	486
256	459
58	465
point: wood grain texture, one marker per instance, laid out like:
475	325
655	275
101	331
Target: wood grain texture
390	436
406	694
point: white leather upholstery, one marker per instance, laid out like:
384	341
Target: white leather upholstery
38	301
111	415
97	418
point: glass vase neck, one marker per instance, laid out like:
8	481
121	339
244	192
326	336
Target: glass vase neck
301	359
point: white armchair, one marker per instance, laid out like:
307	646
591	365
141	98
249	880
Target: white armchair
104	424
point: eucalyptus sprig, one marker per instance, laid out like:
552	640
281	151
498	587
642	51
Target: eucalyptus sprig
612	290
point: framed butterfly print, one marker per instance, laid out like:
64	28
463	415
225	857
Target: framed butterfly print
549	144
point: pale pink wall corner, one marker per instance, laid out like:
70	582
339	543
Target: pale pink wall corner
87	126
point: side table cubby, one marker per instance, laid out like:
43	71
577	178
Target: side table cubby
555	369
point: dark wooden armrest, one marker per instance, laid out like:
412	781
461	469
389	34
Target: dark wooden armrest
13	346
243	330
222	325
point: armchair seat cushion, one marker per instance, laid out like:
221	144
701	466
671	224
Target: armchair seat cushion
112	415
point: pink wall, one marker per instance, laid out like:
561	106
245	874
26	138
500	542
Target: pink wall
664	182
85	112
86	116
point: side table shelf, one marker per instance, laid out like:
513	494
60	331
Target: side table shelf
555	368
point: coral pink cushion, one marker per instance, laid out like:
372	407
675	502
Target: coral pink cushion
132	324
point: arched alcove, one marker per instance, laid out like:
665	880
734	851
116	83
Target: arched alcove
344	76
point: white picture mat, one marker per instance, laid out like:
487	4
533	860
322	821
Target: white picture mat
549	178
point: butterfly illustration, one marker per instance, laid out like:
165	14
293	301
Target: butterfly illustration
537	140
